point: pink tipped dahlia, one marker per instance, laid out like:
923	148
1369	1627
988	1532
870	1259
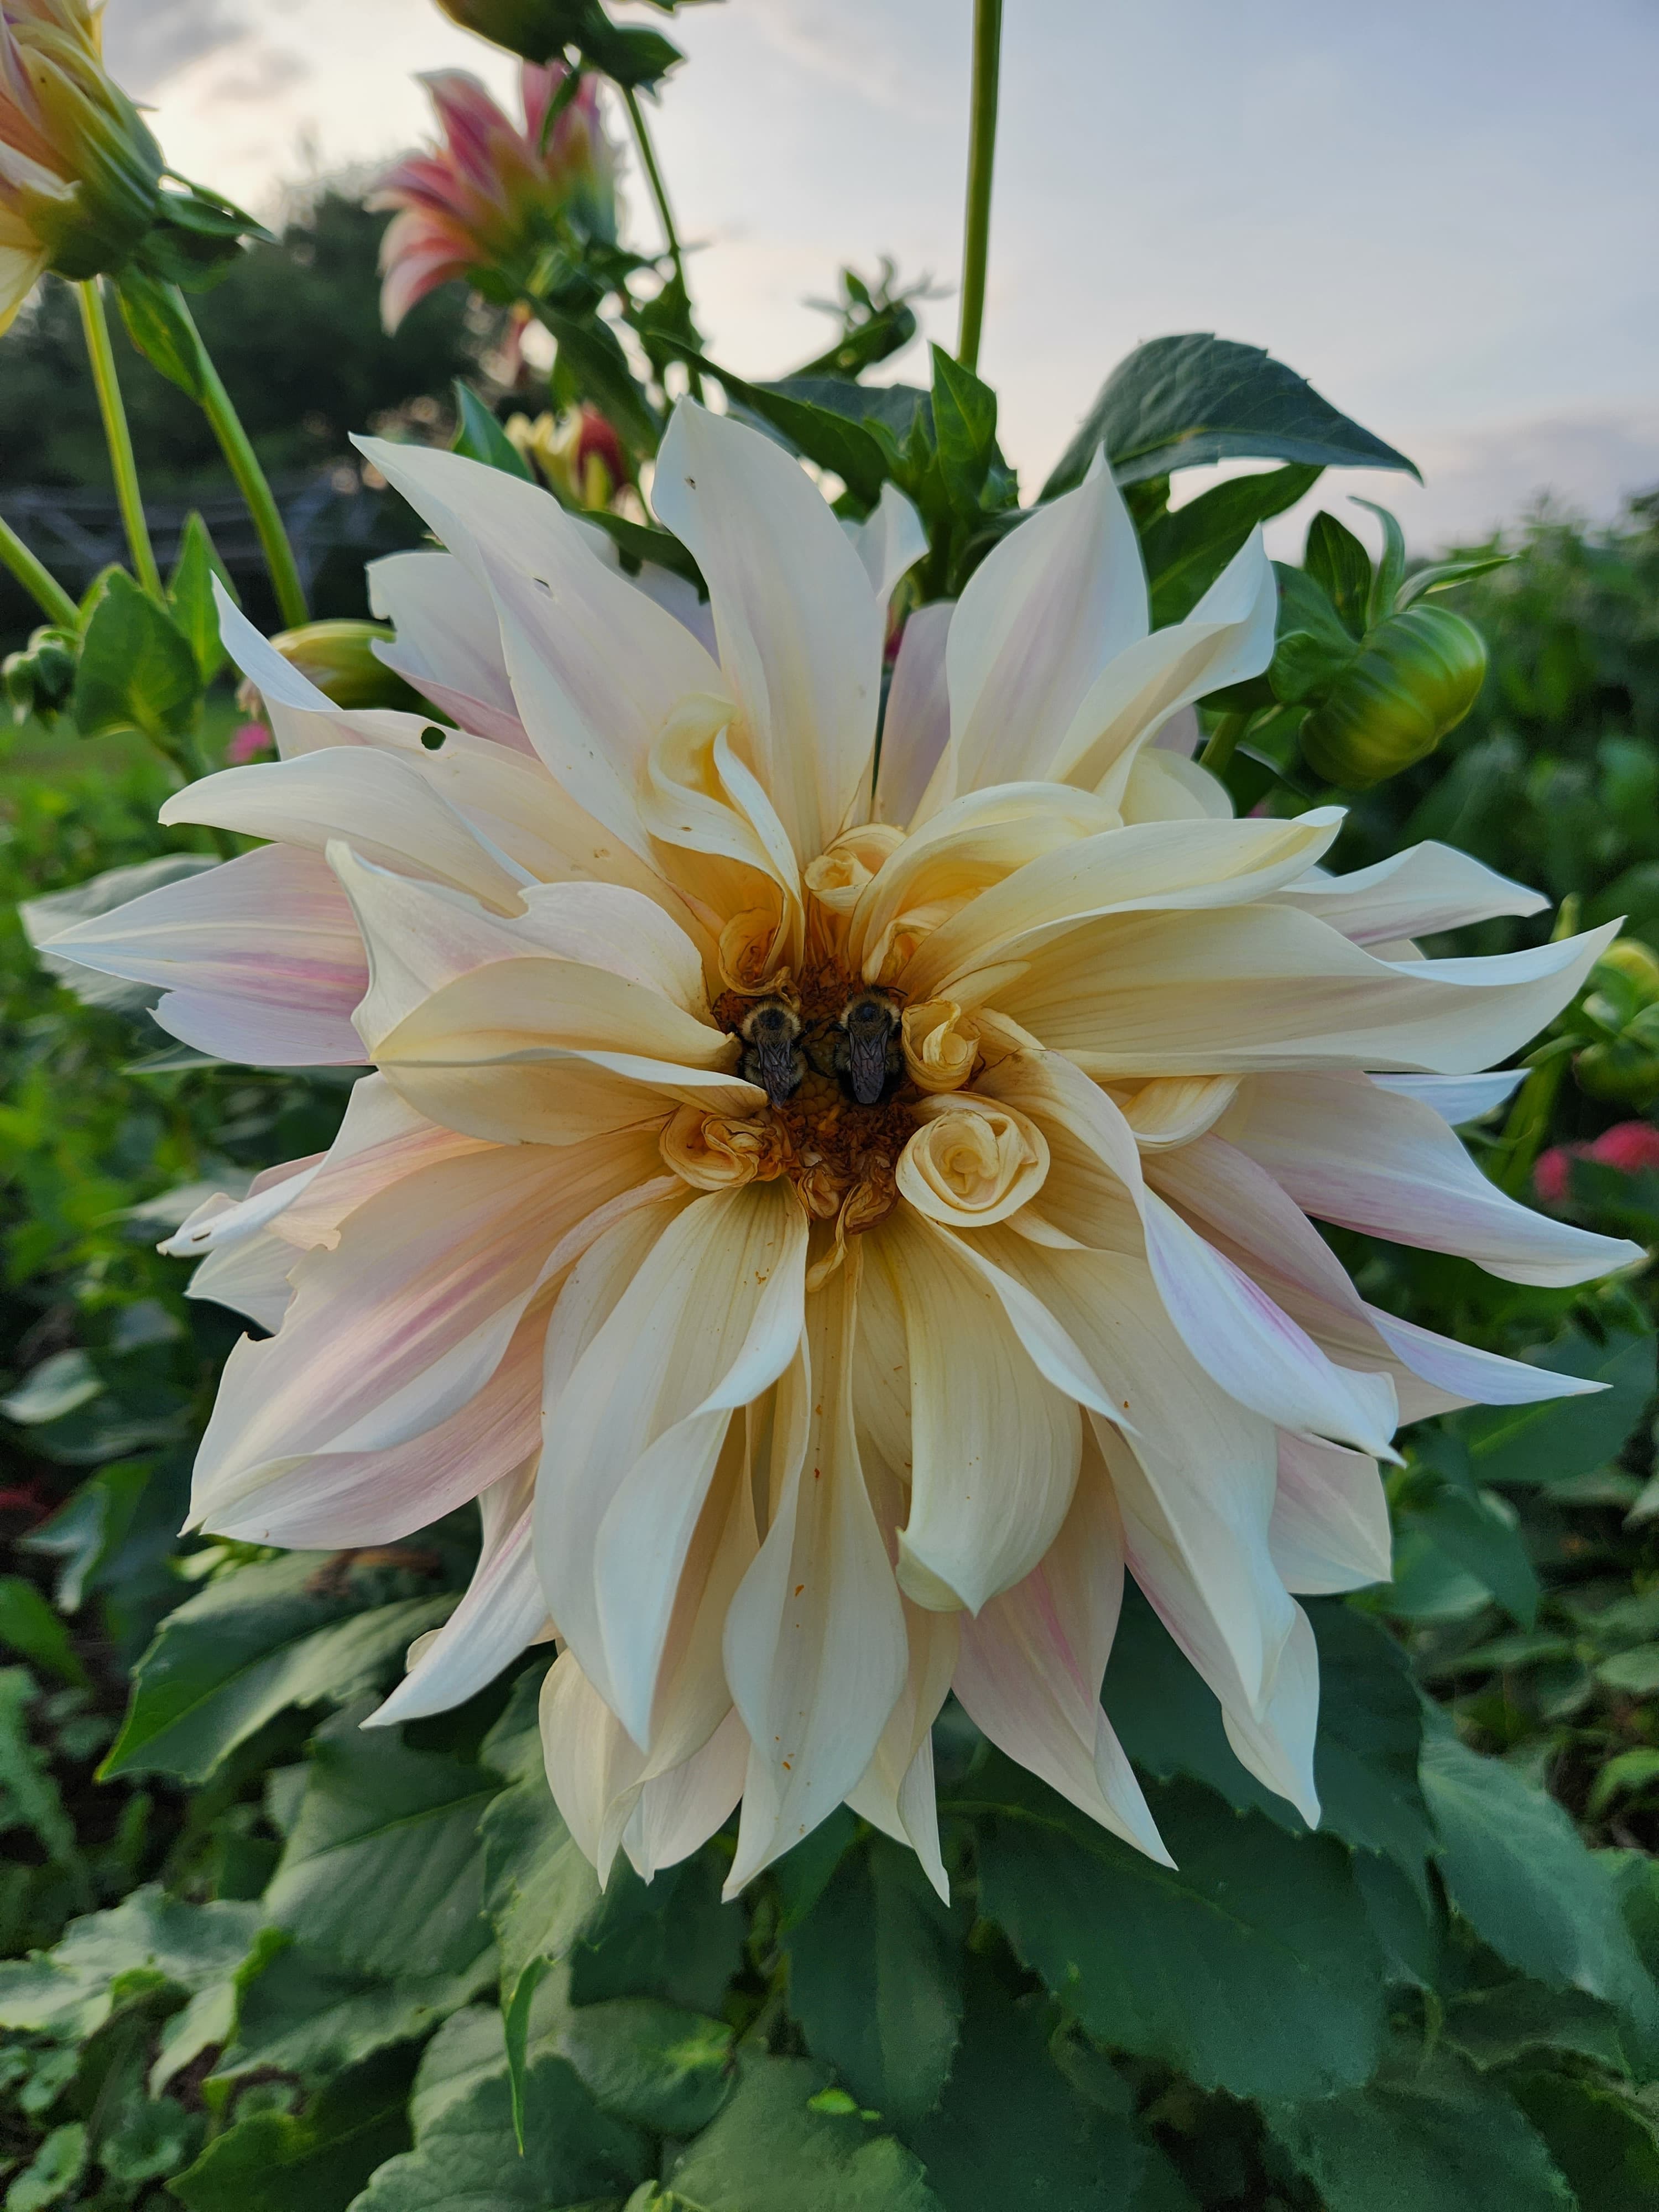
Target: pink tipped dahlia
833	1220
490	200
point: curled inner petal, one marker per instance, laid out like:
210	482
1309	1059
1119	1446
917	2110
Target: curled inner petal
941	1045
716	1151
972	1164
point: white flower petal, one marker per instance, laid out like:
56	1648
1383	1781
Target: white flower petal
916	727
1416	893
1330	1527
890	541
449	641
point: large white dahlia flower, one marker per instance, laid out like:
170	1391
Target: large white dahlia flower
833	1221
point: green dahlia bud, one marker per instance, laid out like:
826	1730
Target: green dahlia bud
1415	677
1637	963
1625	1070
38	680
338	657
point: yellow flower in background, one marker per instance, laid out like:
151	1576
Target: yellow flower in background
80	174
835	1222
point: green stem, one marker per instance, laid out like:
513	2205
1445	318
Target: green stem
95	324
982	148
1223	743
665	212
250	480
39	582
1528	1121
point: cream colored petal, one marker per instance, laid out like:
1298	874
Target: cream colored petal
634	1435
1349	1152
379	804
1277	1745
1166	866
972	1162
1031	1665
263	951
890	543
220	1222
679	1809
1163	786
916	725
1051	607
816	1651
449	641
1416	893
1228	636
994	1445
800	632
250	1278
1330	1529
895	1791
1261	988
380	1141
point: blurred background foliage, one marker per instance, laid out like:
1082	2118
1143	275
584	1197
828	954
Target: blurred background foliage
253	1923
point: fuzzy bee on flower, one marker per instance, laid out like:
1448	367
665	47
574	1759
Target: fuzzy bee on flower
835	1218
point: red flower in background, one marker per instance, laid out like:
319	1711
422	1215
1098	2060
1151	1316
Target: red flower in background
1629	1146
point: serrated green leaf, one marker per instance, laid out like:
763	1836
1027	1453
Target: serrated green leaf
137	670
1013	2129
284	1632
672	1937
649	2062
1607	2146
315	2161
1181	402
771	2151
964	413
895	407
1442	2140
1184	1964
68	1992
465	2158
1480	1531
480	437
1515	1869
299	2013
875	1980
1500	2027
1185	551
383	1868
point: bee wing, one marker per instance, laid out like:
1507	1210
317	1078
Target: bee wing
780	1070
867	1066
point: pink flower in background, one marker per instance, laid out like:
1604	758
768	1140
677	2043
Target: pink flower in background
487	201
1629	1146
252	741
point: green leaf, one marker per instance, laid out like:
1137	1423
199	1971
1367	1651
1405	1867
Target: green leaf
875	1980
317	2163
1499	2027
190	594
1441	575
1187	550
55	1387
149	1936
1370	1730
1341	568
1013	2130
55	2170
465	2158
1181	402
833	437
160	329
638	541
771	2150
1481	1531
29	1795
895	407
965	432
28	1624
383	1868
480	437
1384	597
1515	1869
649	2062
1441	2140
290	1632
137	670
1541	1444
1607	2146
1185	1963
591	353
299	2013
670	1938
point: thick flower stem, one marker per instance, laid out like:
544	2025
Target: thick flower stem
665	212
1223	743
982	148
42	586
99	352
1523	1133
250	480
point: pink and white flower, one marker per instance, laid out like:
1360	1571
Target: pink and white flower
836	1220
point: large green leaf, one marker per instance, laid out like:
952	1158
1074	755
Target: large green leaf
1185	551
1606	2145
1515	1869
832	435
1439	2139
290	1632
1370	1730
1180	401
1519	2020
149	1940
1477	1529
875	1980
1185	1964
1013	2130
137	670
383	1870
1550	1442
316	2161
299	2012
781	2145
895	406
653	2063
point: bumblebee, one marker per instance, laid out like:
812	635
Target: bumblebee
771	1032
866	1047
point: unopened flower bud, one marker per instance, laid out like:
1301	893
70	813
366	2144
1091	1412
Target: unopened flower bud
338	657
38	680
80	174
1623	1070
1637	963
579	454
1415	678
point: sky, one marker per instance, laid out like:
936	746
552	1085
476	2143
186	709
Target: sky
1443	213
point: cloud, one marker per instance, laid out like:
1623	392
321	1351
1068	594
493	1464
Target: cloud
147	41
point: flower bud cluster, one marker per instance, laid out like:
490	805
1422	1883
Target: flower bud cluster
1622	1063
